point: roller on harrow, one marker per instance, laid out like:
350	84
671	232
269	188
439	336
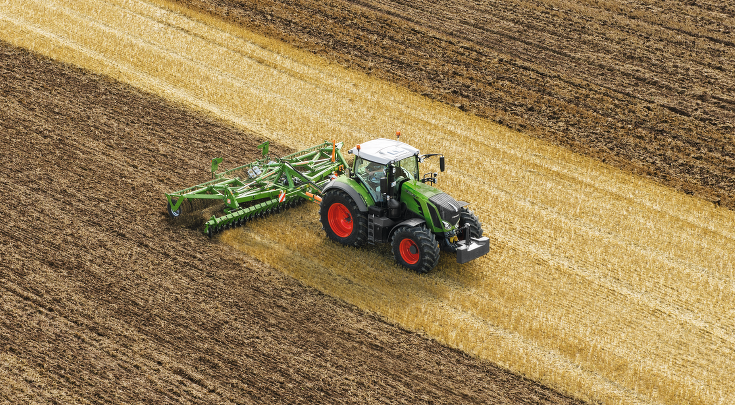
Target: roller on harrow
378	198
263	187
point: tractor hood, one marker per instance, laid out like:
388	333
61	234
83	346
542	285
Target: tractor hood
420	189
448	207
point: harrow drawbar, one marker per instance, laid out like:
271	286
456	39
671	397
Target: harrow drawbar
263	187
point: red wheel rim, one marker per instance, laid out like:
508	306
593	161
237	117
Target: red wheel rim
409	251
340	220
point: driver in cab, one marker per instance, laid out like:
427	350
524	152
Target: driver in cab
371	173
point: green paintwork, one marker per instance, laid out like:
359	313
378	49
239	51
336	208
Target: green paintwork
359	187
252	190
215	165
416	196
264	147
423	189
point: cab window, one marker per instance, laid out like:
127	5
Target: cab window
370	174
406	168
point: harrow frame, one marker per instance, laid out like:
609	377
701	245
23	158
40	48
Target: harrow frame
265	186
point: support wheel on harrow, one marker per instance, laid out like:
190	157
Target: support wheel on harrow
342	220
172	213
415	247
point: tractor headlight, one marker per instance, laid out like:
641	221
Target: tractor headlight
447	225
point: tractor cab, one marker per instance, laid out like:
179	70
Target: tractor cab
388	160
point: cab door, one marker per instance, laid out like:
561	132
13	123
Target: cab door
370	174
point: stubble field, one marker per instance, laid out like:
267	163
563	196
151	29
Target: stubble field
604	285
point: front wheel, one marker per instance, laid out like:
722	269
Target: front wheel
342	219
416	248
465	217
468	217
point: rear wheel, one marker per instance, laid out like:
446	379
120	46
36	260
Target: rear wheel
415	247
342	220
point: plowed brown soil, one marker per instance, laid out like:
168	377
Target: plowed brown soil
103	300
645	85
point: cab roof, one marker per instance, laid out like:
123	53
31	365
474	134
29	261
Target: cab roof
384	151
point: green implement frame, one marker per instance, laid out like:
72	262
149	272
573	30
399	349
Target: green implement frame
265	186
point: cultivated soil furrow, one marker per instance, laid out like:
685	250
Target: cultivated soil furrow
643	85
103	300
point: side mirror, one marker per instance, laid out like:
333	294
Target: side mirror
384	185
442	165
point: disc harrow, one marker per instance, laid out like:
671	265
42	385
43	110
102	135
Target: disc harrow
264	187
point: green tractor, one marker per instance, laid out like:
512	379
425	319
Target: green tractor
380	199
383	199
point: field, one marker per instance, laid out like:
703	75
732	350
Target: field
643	85
102	300
605	285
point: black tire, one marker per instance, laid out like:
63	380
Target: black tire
351	228
468	217
465	217
416	248
172	213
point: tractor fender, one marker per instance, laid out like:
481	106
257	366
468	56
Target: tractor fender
408	222
350	191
